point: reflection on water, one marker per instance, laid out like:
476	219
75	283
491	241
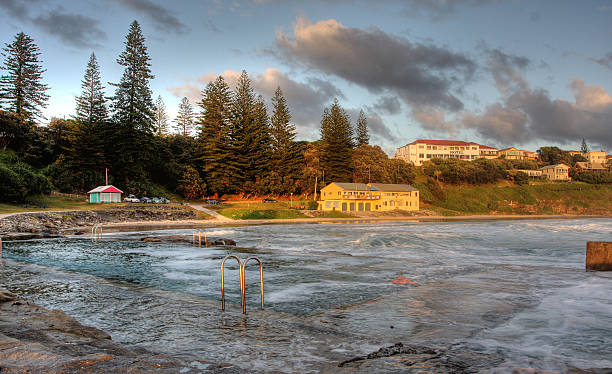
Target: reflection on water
515	287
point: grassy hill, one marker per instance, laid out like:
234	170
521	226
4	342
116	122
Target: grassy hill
505	198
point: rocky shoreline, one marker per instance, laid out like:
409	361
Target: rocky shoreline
52	224
37	340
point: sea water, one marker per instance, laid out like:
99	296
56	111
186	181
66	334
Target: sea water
516	288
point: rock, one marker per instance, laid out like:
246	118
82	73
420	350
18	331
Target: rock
6	296
223	241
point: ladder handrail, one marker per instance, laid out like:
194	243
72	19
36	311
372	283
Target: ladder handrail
223	280
96	232
261	287
242	276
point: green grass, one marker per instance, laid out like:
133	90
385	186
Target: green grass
336	214
52	202
549	198
257	210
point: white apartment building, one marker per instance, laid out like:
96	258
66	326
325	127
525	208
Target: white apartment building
422	150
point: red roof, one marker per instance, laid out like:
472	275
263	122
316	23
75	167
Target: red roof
608	156
106	189
486	147
112	189
443	142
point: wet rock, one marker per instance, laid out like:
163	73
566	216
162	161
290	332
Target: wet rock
400	358
6	296
54	223
36	340
223	241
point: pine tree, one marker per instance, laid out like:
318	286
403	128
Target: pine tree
215	136
132	141
286	156
250	136
132	103
185	118
91	105
363	137
336	144
584	148
22	88
161	117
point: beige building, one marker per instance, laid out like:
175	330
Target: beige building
516	154
531	173
596	157
356	197
590	166
559	172
487	152
422	150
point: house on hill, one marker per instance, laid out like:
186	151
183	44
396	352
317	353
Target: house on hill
590	166
559	172
356	197
105	194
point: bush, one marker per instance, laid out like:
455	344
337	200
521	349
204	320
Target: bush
595	177
19	181
521	178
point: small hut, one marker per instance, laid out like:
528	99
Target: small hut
105	194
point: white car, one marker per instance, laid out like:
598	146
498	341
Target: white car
131	199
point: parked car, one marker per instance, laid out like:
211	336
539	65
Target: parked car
212	201
268	200
155	200
144	199
163	200
131	199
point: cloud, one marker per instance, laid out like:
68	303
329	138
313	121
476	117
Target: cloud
433	119
387	105
417	73
74	29
605	61
306	100
17	8
506	70
71	28
527	113
438	9
163	19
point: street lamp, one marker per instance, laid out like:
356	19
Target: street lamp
291	199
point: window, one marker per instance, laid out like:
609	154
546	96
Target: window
421	155
421	146
428	147
339	193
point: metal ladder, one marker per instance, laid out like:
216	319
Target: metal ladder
241	273
96	232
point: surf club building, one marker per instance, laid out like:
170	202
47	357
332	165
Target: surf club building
361	197
105	194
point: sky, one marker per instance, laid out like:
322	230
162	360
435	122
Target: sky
522	73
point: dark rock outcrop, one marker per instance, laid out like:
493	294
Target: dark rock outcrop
36	340
46	224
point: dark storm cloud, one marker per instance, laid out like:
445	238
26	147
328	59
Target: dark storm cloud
74	29
17	8
605	61
387	105
163	19
527	113
506	70
377	128
419	74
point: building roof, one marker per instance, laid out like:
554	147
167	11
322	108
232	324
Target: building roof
386	187
590	165
553	166
392	187
485	147
106	189
442	142
351	186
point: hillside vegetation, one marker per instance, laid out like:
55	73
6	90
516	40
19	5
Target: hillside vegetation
540	198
